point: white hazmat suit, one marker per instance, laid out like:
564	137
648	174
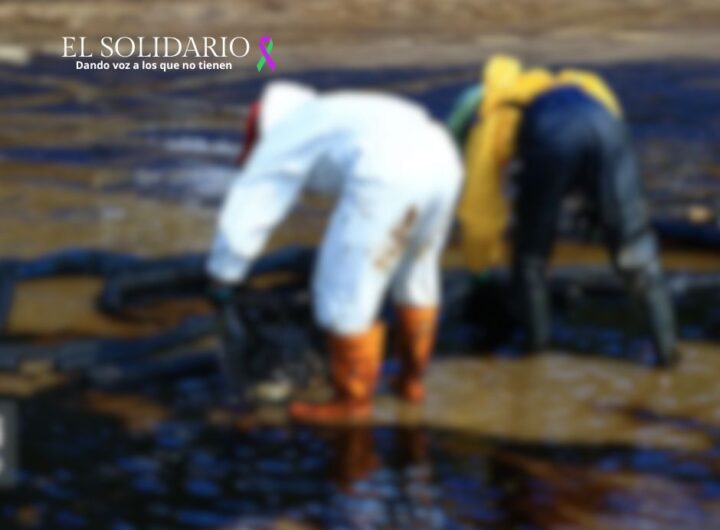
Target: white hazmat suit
396	174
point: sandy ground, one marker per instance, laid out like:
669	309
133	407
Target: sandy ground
375	32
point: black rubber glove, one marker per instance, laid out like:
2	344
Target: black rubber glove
221	294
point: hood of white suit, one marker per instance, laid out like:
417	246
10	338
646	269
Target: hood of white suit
279	100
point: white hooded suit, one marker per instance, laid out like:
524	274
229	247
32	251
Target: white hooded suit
396	174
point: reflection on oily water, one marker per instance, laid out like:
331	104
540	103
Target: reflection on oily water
8	443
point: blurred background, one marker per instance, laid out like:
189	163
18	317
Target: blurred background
125	420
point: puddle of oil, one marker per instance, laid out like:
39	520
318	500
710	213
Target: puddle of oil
86	466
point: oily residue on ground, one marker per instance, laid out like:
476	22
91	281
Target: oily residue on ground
101	159
85	469
120	441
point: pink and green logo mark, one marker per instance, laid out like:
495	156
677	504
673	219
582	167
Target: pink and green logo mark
266	46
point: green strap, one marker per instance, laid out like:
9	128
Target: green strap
463	112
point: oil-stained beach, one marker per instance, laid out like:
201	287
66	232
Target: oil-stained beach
126	422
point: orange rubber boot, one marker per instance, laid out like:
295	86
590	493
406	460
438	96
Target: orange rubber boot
354	369
417	327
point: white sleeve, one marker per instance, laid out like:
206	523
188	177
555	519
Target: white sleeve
258	200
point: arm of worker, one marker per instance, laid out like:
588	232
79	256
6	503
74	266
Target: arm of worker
483	210
258	200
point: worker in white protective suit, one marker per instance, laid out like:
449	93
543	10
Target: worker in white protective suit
397	175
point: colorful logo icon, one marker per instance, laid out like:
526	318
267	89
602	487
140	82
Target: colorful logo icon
266	46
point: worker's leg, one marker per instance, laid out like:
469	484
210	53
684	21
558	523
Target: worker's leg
367	236
551	148
639	264
531	299
633	245
416	288
541	186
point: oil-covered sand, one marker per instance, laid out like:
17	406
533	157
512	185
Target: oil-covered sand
557	441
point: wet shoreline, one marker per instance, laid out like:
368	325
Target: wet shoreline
556	441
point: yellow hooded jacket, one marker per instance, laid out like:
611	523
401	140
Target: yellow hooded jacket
490	146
